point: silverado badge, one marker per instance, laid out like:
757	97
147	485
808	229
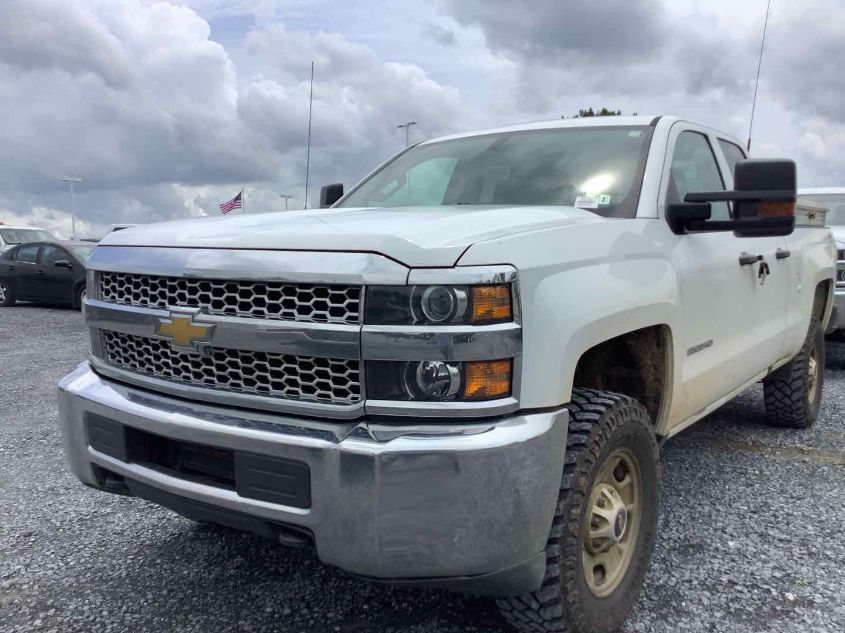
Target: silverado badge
183	333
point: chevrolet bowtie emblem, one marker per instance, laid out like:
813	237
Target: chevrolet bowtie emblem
183	333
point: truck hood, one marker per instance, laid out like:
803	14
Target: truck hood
415	236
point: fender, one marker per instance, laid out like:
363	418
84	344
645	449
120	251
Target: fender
580	286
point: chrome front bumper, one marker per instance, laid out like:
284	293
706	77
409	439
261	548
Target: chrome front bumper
466	505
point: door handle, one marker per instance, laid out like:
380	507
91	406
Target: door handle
782	253
39	272
747	259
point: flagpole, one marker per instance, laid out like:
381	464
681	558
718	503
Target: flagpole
308	145
243	201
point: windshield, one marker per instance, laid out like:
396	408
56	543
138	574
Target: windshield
595	168
83	252
835	203
24	236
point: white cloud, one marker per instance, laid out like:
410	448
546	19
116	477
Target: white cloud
54	220
162	121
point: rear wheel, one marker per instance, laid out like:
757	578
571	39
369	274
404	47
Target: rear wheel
79	297
605	521
793	393
7	298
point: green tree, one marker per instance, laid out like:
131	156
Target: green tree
590	112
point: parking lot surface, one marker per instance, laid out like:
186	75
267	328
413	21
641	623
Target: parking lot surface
751	531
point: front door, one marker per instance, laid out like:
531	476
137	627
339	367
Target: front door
56	281
27	280
732	318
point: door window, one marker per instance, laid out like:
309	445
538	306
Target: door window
733	153
51	254
694	169
27	254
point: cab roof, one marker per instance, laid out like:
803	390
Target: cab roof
613	121
604	121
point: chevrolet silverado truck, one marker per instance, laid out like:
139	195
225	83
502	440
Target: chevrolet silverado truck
460	372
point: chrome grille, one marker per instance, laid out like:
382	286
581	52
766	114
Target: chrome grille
285	376
259	300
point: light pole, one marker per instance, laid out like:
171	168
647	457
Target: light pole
72	180
285	197
407	125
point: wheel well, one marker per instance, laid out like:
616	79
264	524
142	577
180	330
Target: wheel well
636	364
820	299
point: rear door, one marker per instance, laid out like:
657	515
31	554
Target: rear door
781	284
731	326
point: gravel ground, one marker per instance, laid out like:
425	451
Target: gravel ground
750	531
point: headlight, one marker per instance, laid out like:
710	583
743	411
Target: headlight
434	380
438	305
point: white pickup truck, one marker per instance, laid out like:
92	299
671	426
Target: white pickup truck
460	373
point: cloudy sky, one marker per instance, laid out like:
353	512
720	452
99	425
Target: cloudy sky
165	109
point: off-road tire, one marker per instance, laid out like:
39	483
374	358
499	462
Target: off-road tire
786	392
8	297
600	422
78	297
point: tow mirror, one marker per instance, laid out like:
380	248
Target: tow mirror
763	196
682	215
329	194
63	263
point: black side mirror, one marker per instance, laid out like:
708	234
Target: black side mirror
764	202
775	181
329	194
63	263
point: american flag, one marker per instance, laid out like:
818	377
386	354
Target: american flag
234	203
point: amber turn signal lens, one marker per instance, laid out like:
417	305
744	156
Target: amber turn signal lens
491	304
486	380
775	209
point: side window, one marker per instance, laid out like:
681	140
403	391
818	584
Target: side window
27	254
694	168
52	254
425	184
733	153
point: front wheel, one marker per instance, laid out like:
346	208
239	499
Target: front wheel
793	393
605	521
7	298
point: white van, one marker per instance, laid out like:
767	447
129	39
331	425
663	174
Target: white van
13	235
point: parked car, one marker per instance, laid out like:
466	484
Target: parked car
47	272
461	373
13	235
833	199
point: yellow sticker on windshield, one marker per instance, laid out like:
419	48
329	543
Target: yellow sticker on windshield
604	199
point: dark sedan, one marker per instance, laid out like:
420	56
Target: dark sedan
48	272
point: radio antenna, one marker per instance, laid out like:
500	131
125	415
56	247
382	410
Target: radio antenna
759	65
